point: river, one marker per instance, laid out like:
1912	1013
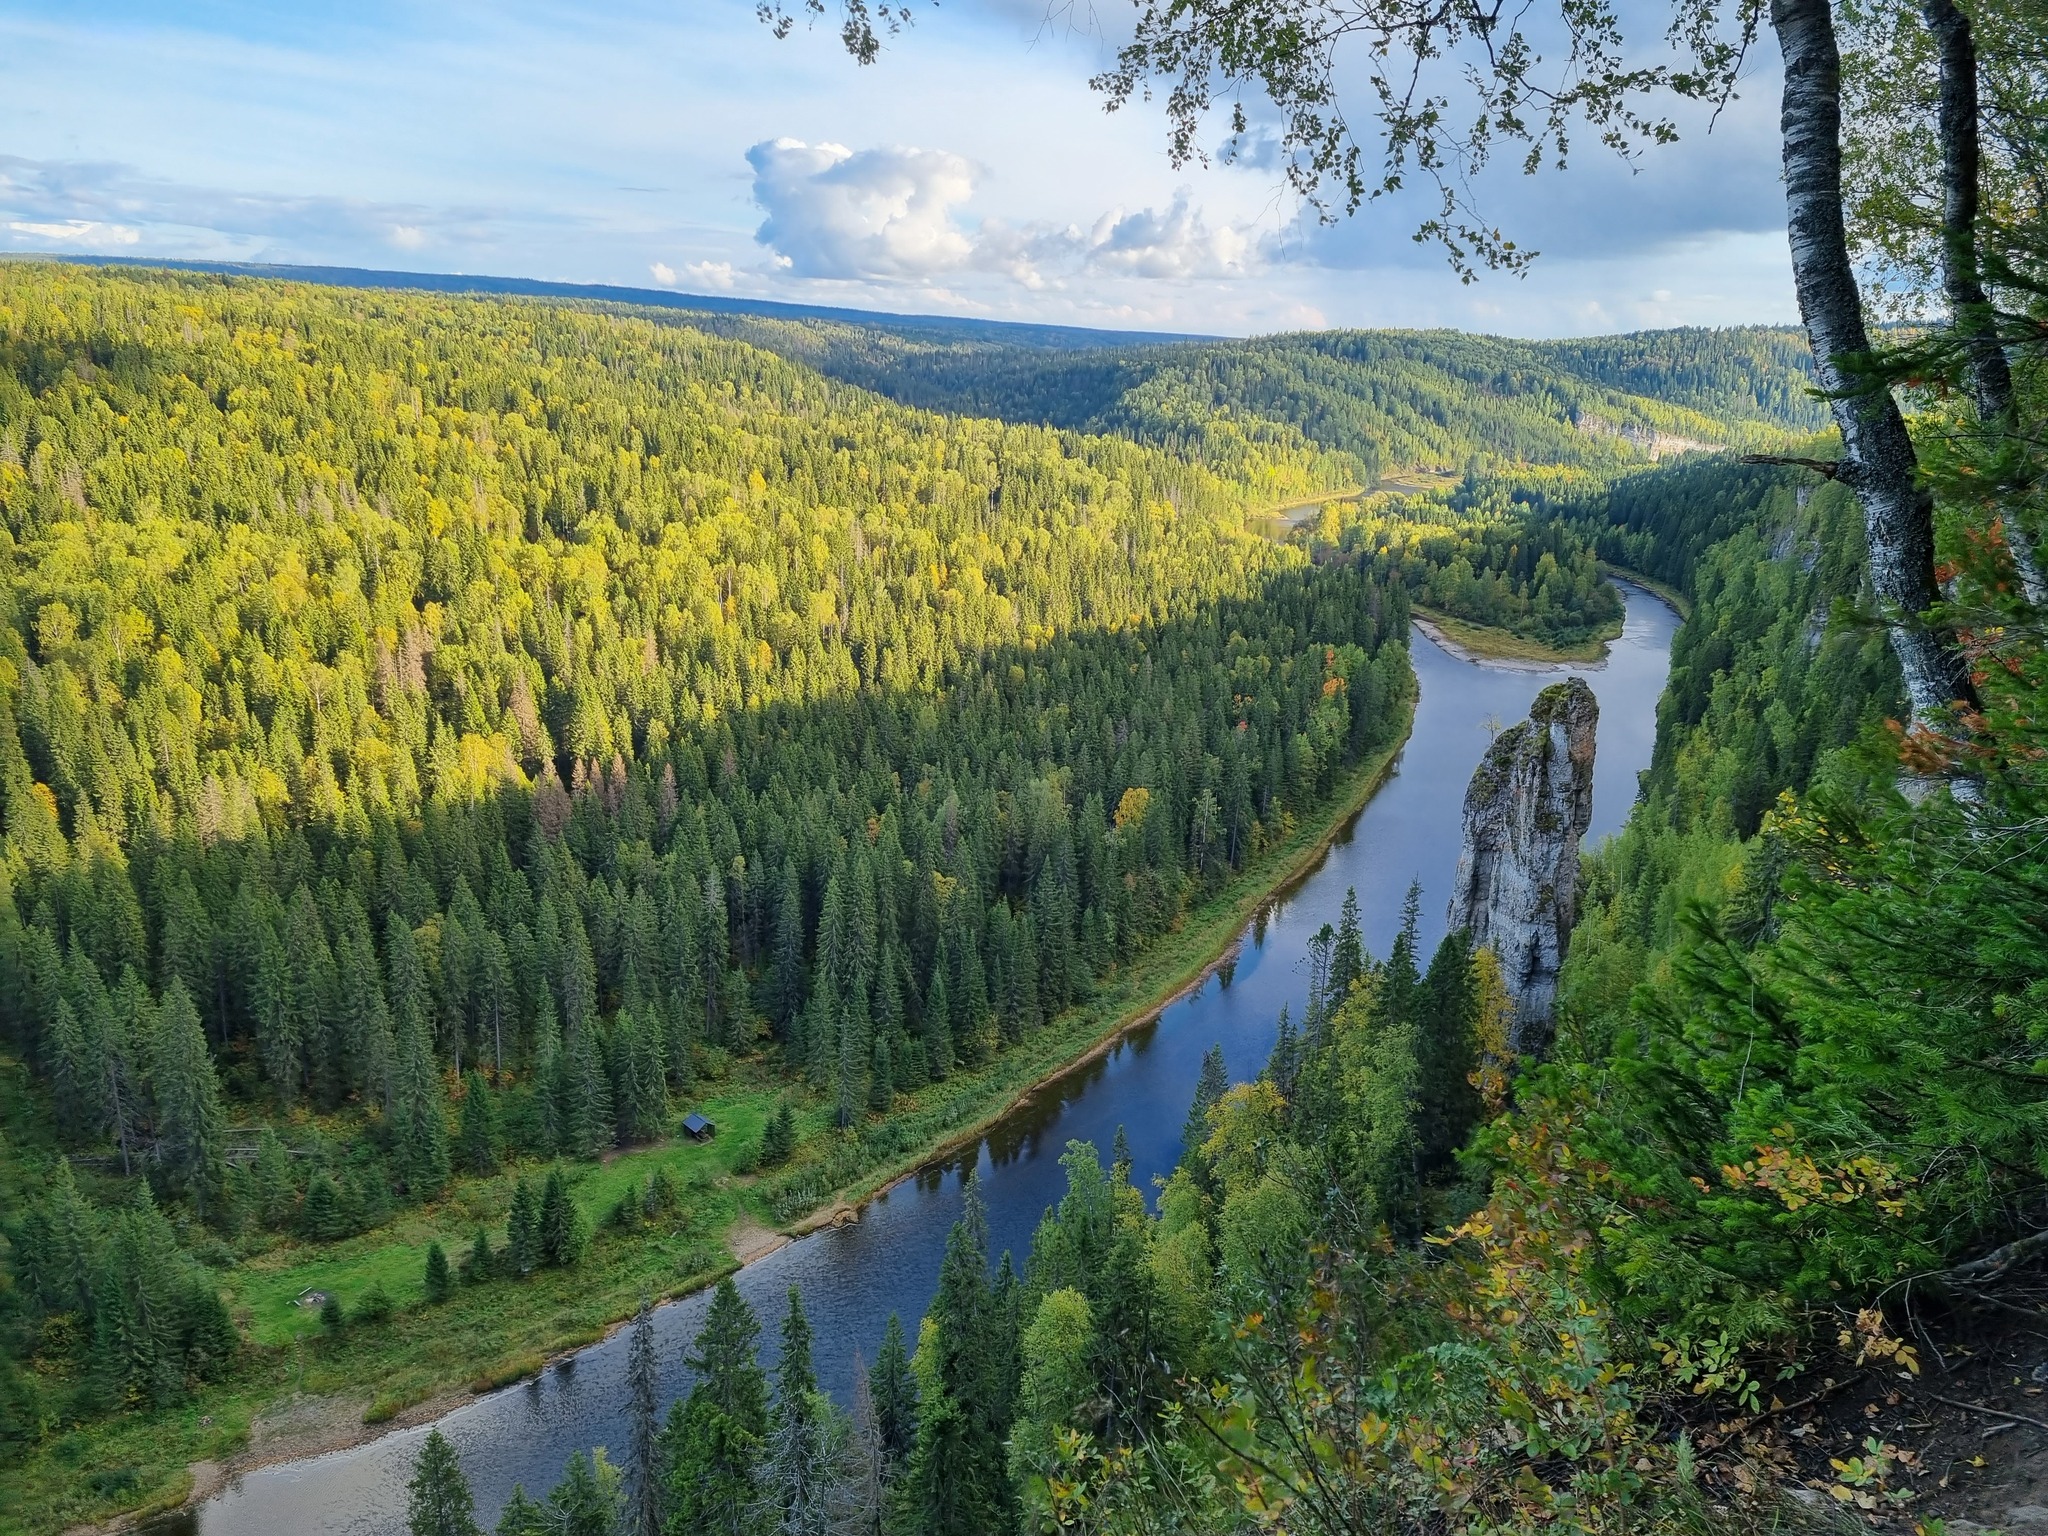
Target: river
852	1277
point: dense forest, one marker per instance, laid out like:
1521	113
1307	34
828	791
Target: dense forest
1538	580
413	699
1722	1262
441	738
1403	1282
1368	403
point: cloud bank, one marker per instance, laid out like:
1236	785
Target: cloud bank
897	215
79	205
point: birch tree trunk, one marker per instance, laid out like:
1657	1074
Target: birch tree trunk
1961	275
1878	462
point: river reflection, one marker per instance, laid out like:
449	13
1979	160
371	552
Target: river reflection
854	1276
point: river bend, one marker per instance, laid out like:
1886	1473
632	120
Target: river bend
854	1276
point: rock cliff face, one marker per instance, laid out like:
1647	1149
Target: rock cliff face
1517	888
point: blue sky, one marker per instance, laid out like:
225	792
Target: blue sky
970	171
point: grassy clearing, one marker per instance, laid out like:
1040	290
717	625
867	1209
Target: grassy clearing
1500	645
319	1392
263	1292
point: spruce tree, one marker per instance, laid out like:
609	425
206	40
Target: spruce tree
938	1017
1400	979
561	1230
587	1501
1347	955
439	1502
959	1482
860	1506
778	1140
856	1051
712	1442
477	1142
522	1231
521	1516
1448	1105
643	1400
481	1262
277	1192
589	1121
189	1116
796	1467
881	1078
422	1122
1213	1083
440	1283
786	970
895	1394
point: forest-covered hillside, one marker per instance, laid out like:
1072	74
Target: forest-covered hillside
442	731
442	737
1376	403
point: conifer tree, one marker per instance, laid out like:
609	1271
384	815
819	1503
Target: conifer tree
438	1497
588	1500
1400	978
938	1017
521	1516
850	1074
560	1228
277	1193
588	1118
277	1022
959	1481
1448	1104
778	1139
189	1116
1213	1083
1347	954
895	1394
860	1505
550	1095
440	1283
422	1129
796	1468
477	1141
644	1470
480	1263
712	1441
522	1231
786	971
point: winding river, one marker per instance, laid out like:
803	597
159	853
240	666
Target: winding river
854	1276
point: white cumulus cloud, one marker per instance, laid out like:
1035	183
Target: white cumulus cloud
876	213
712	274
894	214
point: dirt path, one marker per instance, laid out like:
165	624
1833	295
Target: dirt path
747	1239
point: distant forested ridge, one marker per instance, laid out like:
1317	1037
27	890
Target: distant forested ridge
1374	402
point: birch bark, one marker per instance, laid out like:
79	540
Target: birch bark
1956	118
1878	462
